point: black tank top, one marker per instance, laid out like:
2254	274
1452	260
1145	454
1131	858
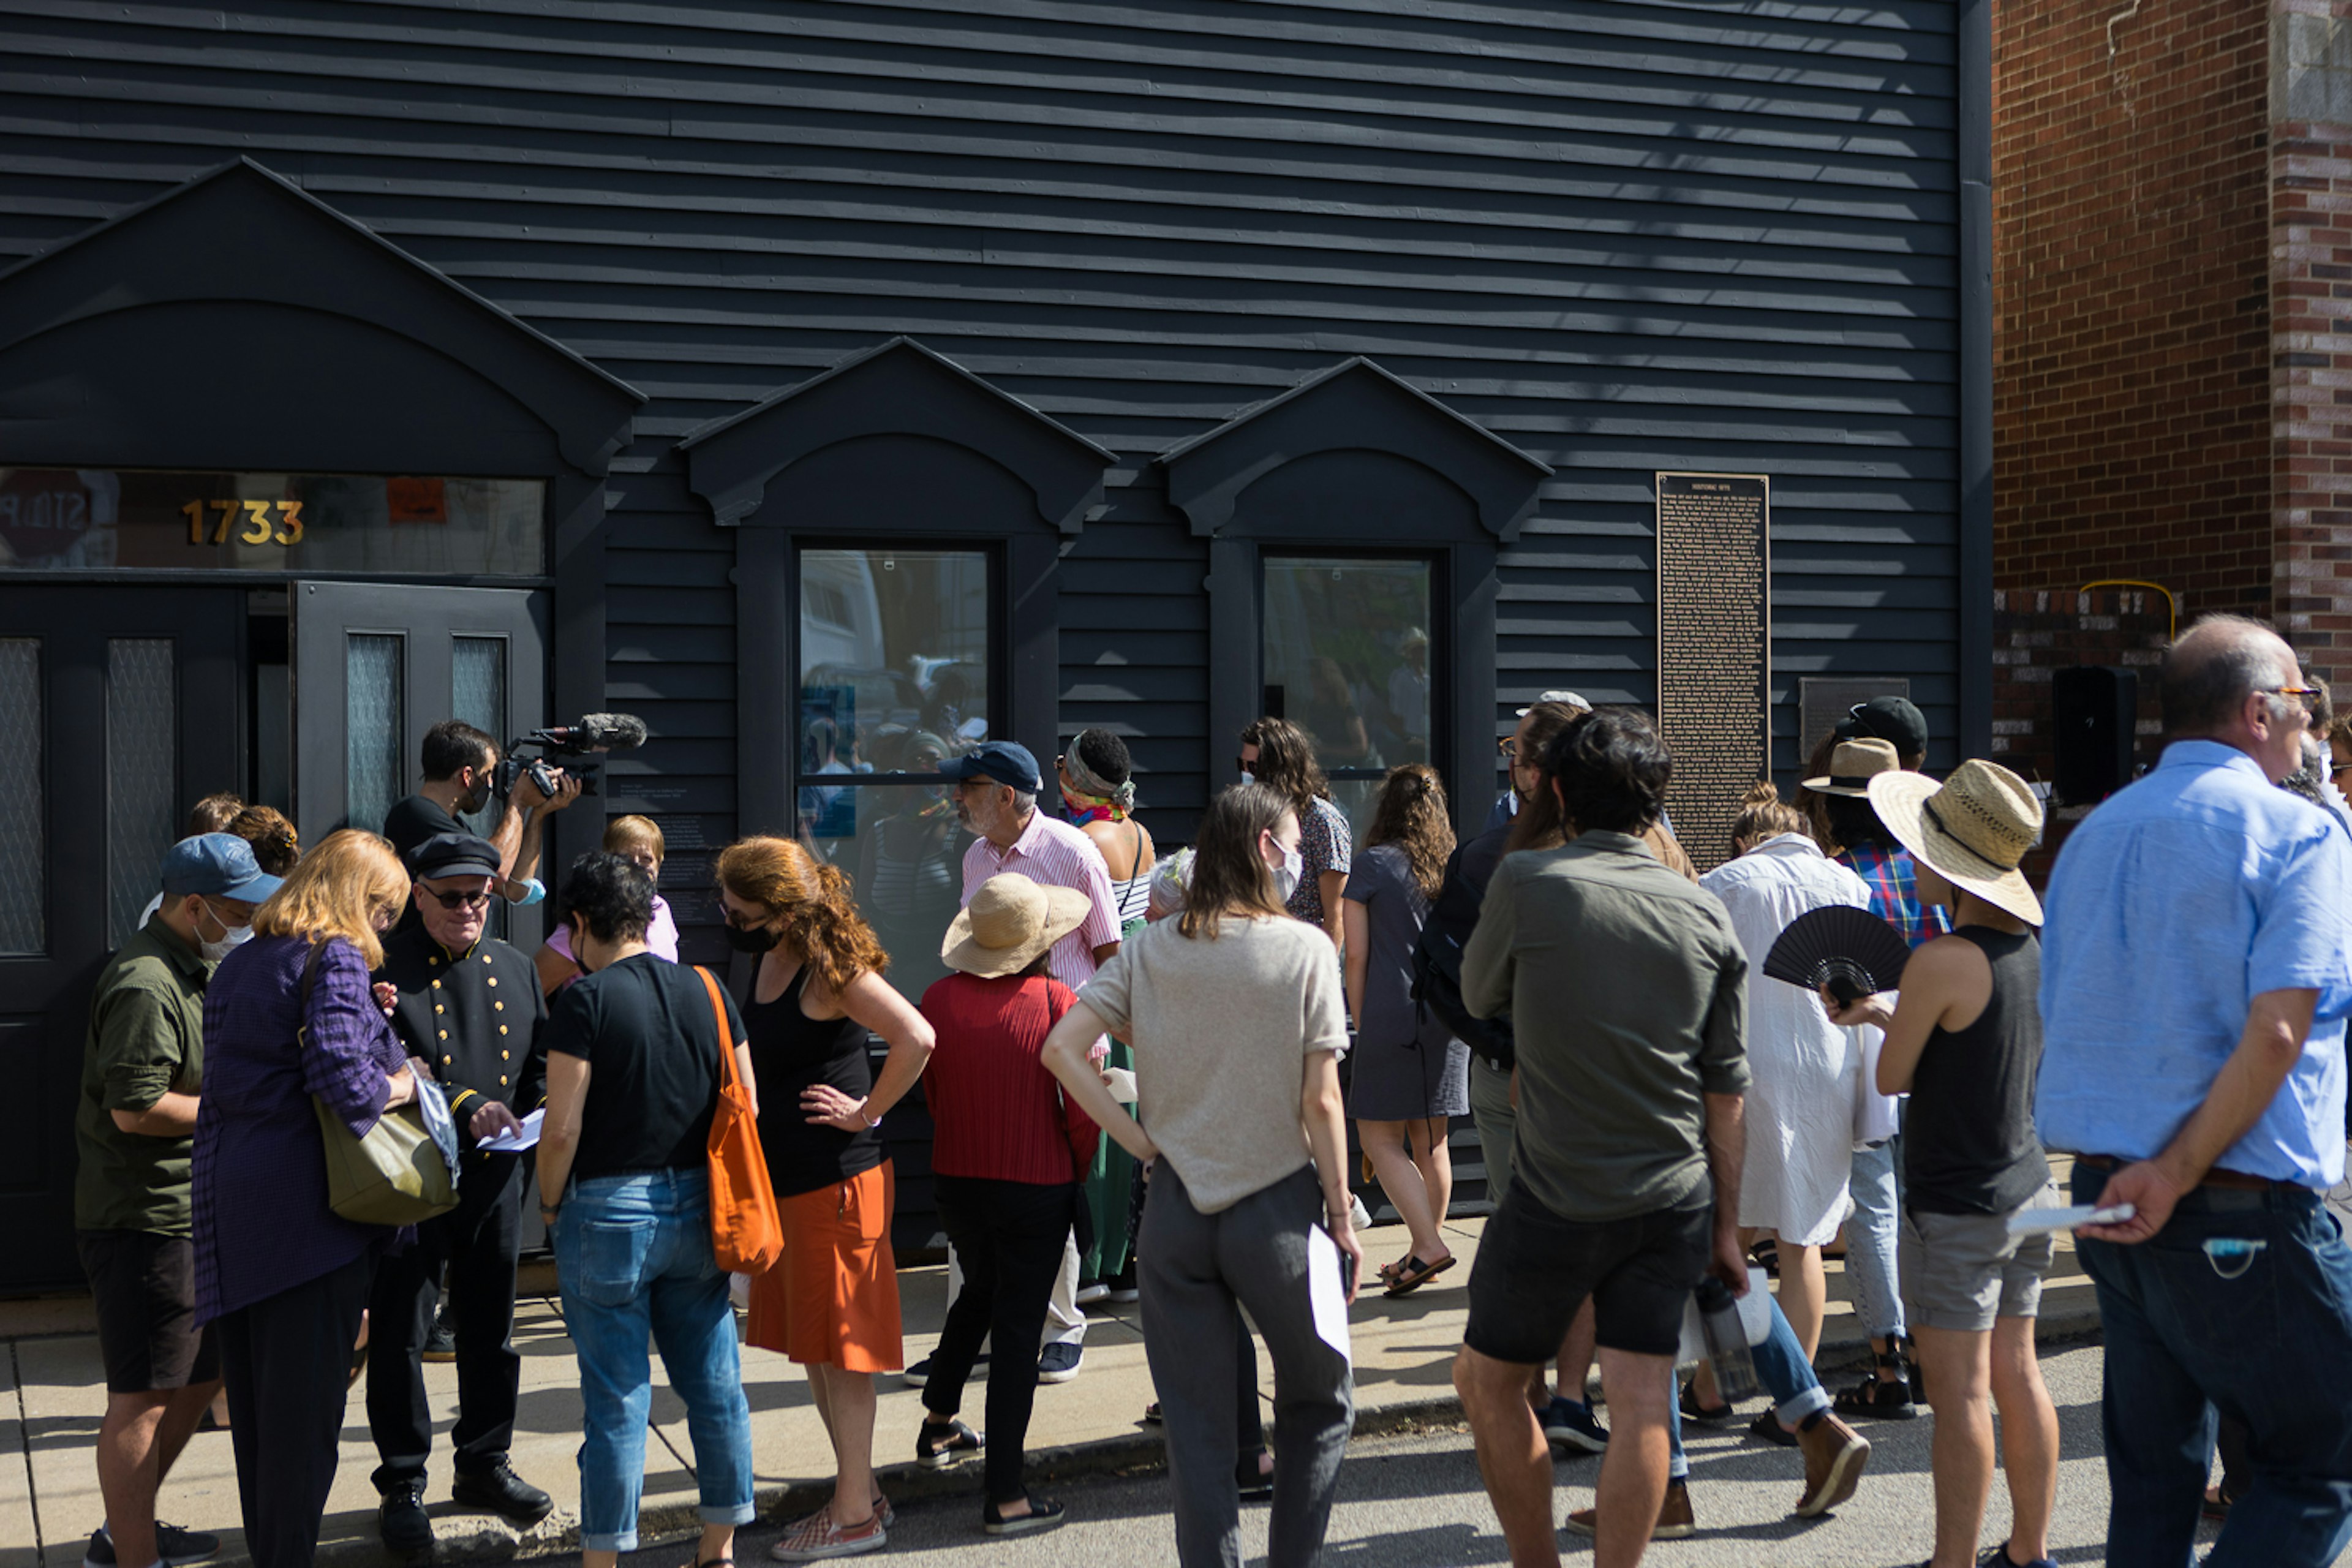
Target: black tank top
1968	1144
790	1052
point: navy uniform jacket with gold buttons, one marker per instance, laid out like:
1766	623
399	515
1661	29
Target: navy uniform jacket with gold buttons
474	1017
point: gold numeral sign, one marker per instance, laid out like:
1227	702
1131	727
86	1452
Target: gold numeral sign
255	527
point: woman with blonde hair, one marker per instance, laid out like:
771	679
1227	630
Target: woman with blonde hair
289	1020
1408	1073
832	1305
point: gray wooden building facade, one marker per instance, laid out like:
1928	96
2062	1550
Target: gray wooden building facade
832	384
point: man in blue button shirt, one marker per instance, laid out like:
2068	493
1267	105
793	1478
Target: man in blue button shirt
2196	969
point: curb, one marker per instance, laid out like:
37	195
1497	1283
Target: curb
478	1538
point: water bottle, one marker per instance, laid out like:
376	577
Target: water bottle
1727	1342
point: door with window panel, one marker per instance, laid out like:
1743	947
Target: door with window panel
376	666
119	708
1347	655
897	657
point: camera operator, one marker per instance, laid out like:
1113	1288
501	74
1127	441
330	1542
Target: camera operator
461	767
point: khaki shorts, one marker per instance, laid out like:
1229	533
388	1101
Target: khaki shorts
1960	1271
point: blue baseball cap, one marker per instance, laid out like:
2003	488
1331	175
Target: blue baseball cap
1006	762
216	866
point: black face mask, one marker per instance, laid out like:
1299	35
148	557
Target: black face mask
758	939
475	801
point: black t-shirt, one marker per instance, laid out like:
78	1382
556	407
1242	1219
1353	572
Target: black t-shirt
1969	1141
644	1028
415	819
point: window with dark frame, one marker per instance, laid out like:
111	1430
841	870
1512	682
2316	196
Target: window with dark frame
897	674
1348	653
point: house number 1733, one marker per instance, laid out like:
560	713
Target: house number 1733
255	527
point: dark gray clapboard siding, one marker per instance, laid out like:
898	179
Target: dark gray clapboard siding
1625	235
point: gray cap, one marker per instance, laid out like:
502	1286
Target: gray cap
1566	699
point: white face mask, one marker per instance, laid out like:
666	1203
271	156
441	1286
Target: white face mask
233	938
1286	875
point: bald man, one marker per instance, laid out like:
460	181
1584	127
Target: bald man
2196	972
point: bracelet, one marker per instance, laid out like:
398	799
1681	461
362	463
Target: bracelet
547	1211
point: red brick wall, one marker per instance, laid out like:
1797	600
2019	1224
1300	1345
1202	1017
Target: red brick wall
2035	633
2132	268
2311	388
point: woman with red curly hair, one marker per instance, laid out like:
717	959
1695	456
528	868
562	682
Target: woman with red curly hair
831	1304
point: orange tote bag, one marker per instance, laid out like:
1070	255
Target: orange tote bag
746	1230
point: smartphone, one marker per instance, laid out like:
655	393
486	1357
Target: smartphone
1347	1275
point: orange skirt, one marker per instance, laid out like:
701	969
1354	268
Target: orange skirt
832	1298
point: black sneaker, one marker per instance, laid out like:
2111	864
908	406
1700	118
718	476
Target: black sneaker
917	1375
1058	1363
172	1543
1044	1514
500	1491
441	1344
399	1519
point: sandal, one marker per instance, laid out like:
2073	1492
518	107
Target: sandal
1694	1410
1412	1274
1253	1478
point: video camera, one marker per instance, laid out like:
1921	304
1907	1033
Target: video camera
591	732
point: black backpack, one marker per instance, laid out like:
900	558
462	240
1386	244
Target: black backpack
1437	970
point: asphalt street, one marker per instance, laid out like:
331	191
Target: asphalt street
1413	1500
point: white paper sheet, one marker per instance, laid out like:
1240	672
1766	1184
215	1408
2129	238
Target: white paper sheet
1324	1292
518	1140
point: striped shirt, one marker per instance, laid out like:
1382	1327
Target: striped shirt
1894	891
1055	855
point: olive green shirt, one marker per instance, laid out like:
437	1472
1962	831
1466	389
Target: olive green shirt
146	1038
1628	995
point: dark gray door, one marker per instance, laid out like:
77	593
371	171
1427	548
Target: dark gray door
119	707
375	666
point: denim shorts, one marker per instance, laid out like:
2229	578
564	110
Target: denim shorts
1535	1269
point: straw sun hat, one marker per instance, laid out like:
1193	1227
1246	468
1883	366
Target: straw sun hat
1973	829
1009	920
1853	765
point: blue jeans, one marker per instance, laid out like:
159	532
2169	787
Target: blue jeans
2265	1339
634	1255
1870	1241
1786	1375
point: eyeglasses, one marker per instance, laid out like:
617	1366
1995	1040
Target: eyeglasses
2307	695
461	900
1509	746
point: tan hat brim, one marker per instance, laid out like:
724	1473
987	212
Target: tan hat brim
1067	909
1823	786
1901	799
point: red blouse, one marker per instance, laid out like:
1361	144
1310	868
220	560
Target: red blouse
996	1112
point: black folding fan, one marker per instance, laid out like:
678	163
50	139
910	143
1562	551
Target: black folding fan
1851	951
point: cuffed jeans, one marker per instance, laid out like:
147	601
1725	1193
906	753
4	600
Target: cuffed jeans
634	1254
2267	1339
1192	1268
1781	1368
1870	1241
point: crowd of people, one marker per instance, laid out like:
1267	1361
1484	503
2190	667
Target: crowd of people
1134	1071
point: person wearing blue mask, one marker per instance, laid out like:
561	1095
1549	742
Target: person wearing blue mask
134	1120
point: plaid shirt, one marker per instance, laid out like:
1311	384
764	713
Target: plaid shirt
1894	891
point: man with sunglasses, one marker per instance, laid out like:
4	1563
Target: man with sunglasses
469	1007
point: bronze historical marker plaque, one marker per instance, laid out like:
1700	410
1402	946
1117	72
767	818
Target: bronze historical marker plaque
1713	650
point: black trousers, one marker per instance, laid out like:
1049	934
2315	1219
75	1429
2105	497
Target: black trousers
1008	1235
477	1243
287	1362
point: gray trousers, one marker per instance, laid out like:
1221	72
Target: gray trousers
1498	1122
1192	1268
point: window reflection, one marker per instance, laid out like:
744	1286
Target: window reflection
1348	658
894	681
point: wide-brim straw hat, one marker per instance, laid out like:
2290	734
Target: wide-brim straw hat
1854	763
1971	830
1009	920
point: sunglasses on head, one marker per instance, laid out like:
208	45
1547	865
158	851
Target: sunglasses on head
460	900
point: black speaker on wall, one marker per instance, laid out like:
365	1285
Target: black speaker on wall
2095	709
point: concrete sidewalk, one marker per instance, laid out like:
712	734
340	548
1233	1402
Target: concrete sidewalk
52	1394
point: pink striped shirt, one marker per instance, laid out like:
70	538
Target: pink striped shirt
1055	855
